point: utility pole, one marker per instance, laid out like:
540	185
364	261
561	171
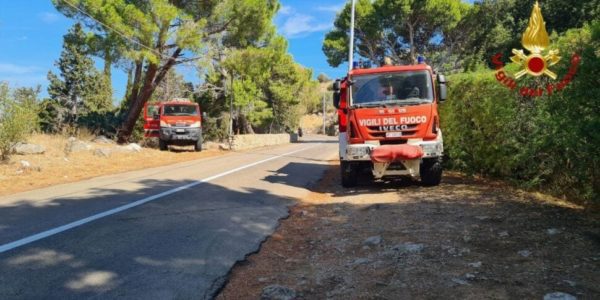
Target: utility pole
351	50
231	110
324	113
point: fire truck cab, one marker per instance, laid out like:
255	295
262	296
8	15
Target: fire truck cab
174	122
389	123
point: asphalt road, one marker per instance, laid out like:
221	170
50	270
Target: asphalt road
172	232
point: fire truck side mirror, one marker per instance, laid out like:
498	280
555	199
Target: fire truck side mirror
337	86
443	89
336	93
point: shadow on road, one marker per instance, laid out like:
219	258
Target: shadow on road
180	246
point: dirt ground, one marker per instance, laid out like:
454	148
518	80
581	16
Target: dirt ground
464	239
56	167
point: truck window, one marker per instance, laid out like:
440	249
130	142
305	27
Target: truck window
180	110
152	110
407	87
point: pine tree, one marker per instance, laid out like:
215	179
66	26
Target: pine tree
80	89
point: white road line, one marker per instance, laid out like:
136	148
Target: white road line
53	231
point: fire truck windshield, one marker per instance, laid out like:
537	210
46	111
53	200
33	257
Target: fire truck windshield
409	88
180	110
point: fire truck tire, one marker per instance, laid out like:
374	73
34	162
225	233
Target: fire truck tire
198	145
431	171
348	174
163	145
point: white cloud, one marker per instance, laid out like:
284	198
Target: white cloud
285	10
298	25
49	17
12	69
27	80
331	8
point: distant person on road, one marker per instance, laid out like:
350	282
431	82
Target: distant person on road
299	132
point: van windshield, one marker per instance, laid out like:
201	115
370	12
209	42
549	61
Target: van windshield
413	87
180	110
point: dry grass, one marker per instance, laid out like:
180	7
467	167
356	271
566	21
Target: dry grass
311	123
55	167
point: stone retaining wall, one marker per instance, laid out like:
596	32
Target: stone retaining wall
248	141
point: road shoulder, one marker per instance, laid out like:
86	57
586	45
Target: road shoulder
466	238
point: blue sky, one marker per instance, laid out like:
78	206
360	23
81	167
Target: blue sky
31	39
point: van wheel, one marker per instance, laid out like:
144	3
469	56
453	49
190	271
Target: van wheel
431	171
162	145
348	174
198	145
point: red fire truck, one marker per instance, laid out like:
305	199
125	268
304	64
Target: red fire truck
389	122
174	122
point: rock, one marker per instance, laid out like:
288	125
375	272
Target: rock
476	264
103	152
102	140
372	241
552	231
464	251
75	145
28	149
408	248
277	292
133	147
559	296
503	234
570	283
360	261
25	164
224	147
459	281
524	253
263	279
470	276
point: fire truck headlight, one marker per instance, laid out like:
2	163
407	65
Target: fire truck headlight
357	152
432	149
195	125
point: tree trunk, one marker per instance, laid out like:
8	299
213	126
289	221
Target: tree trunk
411	38
154	75
246	126
107	66
129	85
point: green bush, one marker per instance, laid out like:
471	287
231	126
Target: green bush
216	129
550	143
17	120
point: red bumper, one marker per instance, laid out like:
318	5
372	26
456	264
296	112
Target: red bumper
394	153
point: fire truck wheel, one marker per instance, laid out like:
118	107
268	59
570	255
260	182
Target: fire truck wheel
198	145
349	174
163	145
431	171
